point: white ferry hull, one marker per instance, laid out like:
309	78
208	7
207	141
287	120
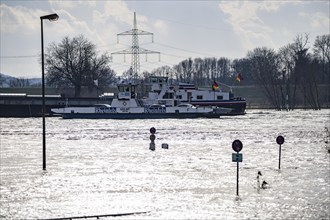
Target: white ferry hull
138	115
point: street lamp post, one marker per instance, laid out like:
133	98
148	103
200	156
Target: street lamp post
51	17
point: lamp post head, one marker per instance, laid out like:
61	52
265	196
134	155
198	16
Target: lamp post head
51	17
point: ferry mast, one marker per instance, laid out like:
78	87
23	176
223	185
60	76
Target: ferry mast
135	49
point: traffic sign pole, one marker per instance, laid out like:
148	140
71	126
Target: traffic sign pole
279	141
279	159
237	178
237	146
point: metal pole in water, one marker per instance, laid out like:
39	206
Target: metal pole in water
237	179
279	141
279	159
237	157
51	17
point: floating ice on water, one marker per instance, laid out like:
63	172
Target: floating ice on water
105	166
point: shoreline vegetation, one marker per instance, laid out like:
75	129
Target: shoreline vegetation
254	95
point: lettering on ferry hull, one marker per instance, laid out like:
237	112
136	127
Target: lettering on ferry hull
105	110
154	110
124	109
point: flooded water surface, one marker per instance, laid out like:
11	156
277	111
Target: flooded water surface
98	167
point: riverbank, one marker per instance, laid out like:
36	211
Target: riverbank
27	102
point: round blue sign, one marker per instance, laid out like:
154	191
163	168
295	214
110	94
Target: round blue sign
280	140
152	130
237	145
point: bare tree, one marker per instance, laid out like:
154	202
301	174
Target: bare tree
199	77
265	65
289	83
19	83
322	53
223	69
2	80
74	62
304	72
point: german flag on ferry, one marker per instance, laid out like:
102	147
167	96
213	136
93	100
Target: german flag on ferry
215	86
239	77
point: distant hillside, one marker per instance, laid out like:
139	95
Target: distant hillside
7	81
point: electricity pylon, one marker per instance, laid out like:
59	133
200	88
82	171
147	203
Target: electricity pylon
135	50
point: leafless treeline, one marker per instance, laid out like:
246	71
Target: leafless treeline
294	67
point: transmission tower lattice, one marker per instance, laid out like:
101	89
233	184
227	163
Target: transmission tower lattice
135	50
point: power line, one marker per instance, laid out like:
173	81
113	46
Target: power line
194	25
189	51
19	56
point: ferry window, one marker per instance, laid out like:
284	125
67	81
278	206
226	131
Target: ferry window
168	95
199	97
153	80
219	97
121	89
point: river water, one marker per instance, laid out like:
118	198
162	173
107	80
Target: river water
98	167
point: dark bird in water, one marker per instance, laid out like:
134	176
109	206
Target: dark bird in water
258	179
264	184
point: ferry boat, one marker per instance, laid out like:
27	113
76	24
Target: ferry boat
163	93
126	106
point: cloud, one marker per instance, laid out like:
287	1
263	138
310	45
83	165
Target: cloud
19	18
62	4
317	20
246	19
70	4
161	27
119	11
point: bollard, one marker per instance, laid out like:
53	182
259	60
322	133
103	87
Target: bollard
152	145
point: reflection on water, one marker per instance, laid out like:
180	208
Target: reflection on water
97	167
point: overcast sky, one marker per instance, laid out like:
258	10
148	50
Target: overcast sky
181	29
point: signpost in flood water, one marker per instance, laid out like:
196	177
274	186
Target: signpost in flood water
237	157
279	141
